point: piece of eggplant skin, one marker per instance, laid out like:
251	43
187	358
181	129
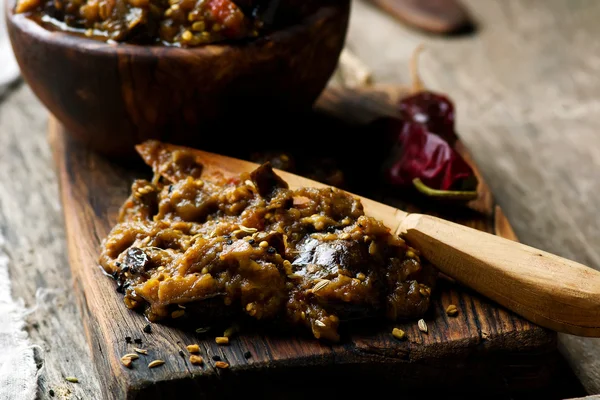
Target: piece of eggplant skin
267	181
326	260
330	257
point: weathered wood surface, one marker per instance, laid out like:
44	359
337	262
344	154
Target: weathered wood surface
525	88
32	223
484	339
526	92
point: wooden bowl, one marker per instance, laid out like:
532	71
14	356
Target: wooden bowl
115	96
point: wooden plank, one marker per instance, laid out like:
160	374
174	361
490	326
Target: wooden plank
31	223
526	93
484	346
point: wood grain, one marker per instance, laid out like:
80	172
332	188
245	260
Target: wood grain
92	190
111	97
526	93
31	221
549	290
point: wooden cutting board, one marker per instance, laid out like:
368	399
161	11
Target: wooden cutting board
484	347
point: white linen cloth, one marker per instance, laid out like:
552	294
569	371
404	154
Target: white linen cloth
18	372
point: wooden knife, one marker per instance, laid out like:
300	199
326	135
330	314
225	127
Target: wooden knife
548	290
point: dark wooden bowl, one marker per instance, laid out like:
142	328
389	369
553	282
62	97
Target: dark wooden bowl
114	96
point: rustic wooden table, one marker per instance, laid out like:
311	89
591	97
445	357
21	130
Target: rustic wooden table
524	86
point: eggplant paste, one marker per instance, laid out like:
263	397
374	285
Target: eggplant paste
195	247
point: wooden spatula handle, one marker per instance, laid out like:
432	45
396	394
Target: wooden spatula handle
551	291
436	16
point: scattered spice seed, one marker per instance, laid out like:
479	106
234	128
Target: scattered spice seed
141	351
196	360
398	334
248	230
137	341
452	310
181	353
319	323
187	35
221	364
320	285
51	393
193	348
71	379
133	356
127	339
263	244
177	313
229	332
222	340
422	325
202	330
247	355
251	241
424	290
126	361
156	363
216	358
148	328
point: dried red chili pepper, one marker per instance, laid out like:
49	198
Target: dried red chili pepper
423	154
433	110
426	161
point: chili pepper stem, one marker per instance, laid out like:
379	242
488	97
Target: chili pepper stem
417	83
463	195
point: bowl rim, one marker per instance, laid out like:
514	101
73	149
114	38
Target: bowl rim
61	38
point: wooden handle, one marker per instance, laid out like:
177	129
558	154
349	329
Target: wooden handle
435	16
550	291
